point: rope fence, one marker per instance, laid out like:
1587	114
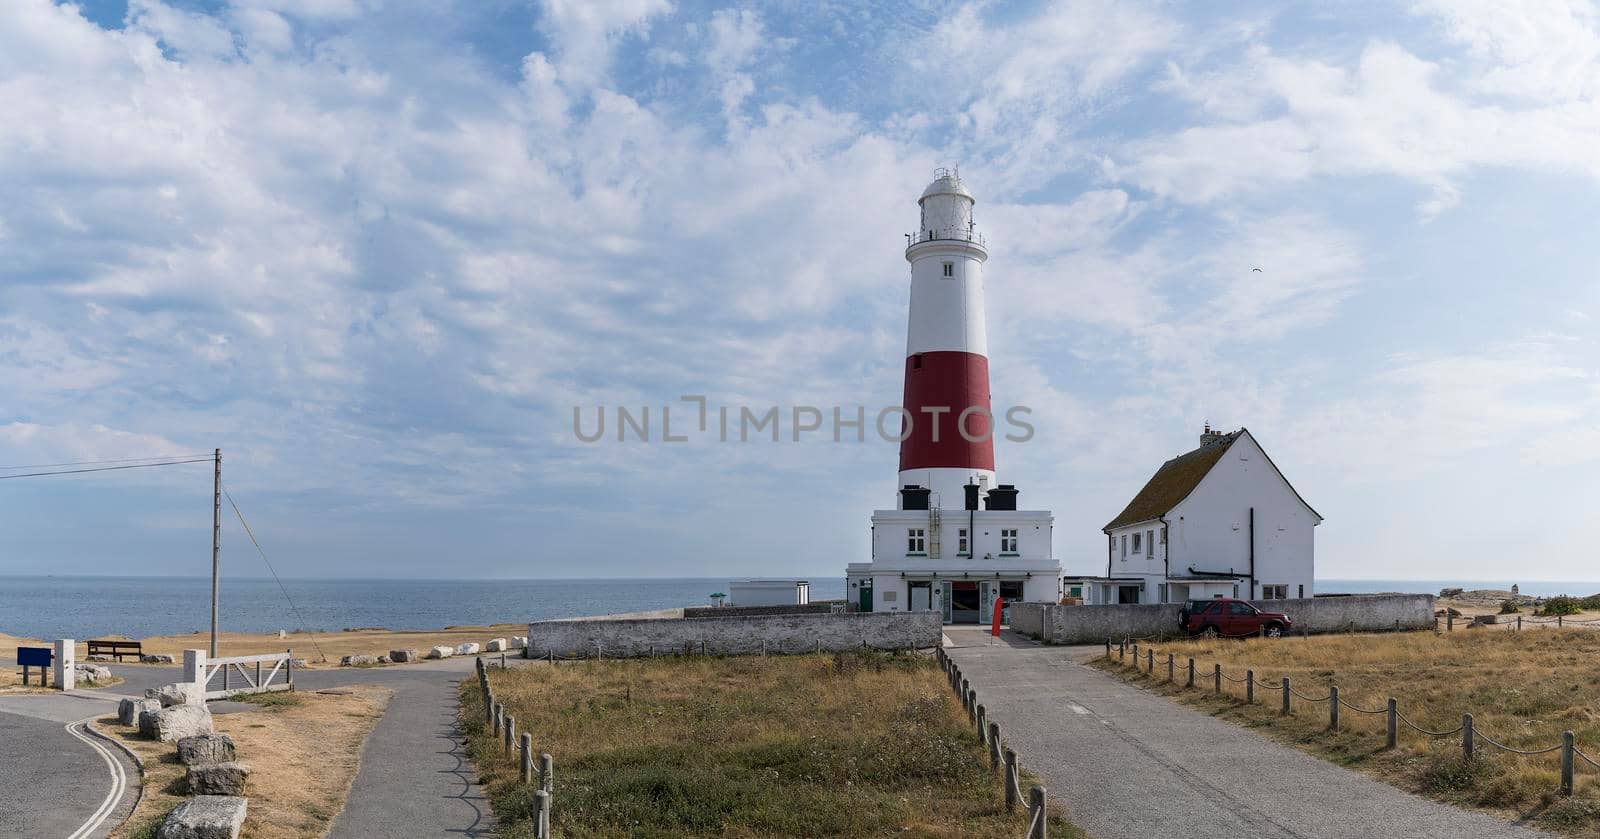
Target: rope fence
1470	736
1002	757
503	727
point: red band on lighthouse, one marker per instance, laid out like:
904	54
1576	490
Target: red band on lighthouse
954	382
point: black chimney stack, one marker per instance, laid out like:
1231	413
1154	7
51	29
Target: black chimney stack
914	497
1002	497
972	497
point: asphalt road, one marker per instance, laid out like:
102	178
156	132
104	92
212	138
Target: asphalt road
414	780
1128	764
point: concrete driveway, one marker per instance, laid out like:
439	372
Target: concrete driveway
1128	764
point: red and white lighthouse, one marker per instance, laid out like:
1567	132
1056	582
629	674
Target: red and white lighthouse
947	350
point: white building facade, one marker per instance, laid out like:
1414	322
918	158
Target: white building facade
1220	520
955	541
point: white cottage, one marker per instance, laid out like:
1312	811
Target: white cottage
1218	520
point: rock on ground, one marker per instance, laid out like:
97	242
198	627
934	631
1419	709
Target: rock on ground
468	648
403	656
205	748
99	657
205	817
226	778
181	693
93	673
356	660
519	642
156	658
170	725
497	645
128	710
441	652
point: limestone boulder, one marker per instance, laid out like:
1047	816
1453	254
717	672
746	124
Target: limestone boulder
169	725
205	748
99	657
497	645
128	710
468	648
297	663
357	660
181	693
1485	620
156	658
519	642
205	817
441	652
403	656
226	778
92	673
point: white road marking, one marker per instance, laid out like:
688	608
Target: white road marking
119	780
1077	709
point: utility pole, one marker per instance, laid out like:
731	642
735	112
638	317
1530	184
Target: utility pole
216	540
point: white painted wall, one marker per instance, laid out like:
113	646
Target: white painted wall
1035	533
1210	529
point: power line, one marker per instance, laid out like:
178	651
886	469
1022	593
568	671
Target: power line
99	462
274	571
103	468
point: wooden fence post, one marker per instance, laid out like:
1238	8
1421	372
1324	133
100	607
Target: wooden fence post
1449	620
1566	762
1249	687
541	825
527	758
1466	736
983	725
1011	781
1150	661
1216	676
547	772
1333	708
1392	724
499	717
1286	696
1191	672
994	745
511	734
1036	813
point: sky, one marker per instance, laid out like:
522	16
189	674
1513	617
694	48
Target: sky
379	252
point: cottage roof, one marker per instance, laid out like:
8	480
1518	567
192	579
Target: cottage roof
1173	482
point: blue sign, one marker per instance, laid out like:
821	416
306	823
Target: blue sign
34	656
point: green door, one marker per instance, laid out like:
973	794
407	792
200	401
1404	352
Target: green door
865	602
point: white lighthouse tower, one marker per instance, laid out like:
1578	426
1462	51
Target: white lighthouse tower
937	549
950	444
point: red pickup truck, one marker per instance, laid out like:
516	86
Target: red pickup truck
1230	617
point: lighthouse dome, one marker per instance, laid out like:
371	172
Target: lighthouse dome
947	183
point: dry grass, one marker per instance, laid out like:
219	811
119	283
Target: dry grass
311	646
303	748
1523	689
815	745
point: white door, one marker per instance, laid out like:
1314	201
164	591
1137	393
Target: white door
920	598
944	598
986	593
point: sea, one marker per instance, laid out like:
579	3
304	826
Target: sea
139	607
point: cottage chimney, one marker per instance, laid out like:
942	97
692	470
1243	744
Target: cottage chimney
1207	437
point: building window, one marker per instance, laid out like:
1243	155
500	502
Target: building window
916	541
1150	544
961	541
1124	546
949	269
1275	592
1302	591
1008	541
1136	549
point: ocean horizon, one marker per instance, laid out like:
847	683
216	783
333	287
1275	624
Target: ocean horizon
89	606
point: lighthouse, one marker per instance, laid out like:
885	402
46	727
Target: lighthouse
949	443
955	541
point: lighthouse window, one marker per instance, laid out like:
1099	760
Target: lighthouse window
1008	541
916	541
961	539
949	269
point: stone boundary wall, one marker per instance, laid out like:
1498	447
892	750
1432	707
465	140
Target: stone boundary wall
815	607
1096	624
749	635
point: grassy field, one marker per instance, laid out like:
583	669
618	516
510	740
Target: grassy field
815	745
303	749
1523	689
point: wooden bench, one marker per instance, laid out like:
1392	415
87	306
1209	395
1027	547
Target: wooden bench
116	649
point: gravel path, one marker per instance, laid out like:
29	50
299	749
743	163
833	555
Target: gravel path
1129	763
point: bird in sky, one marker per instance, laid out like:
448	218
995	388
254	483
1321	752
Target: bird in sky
1257	270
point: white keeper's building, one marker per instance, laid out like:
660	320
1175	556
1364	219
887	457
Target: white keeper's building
1220	520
